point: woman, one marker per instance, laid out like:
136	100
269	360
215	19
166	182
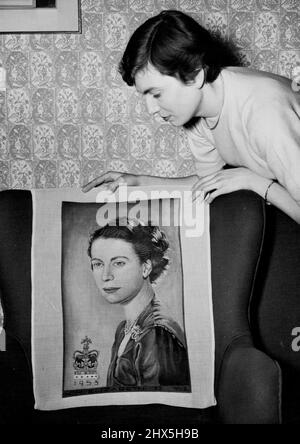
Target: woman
235	116
149	348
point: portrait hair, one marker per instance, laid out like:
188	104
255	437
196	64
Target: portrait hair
148	242
176	45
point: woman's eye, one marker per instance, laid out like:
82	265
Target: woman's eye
156	96
119	263
96	265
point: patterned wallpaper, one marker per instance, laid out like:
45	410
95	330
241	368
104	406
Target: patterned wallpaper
66	115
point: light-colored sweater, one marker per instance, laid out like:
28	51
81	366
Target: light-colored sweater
259	128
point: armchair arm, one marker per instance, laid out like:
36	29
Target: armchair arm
247	383
16	393
249	390
15	265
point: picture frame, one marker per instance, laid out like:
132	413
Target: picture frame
24	19
17	4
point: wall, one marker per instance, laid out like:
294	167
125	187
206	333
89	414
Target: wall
67	116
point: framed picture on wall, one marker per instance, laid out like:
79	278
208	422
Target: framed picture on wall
40	16
15	4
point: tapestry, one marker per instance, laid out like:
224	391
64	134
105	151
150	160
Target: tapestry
121	299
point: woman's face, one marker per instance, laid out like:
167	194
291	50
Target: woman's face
117	270
174	101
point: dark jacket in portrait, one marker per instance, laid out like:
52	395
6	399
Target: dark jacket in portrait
155	355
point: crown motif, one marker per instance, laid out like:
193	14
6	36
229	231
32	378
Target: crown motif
156	235
133	223
85	363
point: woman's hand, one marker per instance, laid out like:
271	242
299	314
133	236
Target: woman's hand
224	182
111	181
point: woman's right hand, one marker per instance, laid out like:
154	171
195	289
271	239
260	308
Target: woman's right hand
111	181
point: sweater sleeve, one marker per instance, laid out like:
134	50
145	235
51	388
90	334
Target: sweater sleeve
274	133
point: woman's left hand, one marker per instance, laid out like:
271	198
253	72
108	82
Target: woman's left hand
224	182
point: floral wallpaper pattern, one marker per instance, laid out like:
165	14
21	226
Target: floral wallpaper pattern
66	115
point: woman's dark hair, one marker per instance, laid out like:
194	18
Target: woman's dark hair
176	45
148	241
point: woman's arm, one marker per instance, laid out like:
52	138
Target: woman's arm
227	181
112	180
279	197
222	182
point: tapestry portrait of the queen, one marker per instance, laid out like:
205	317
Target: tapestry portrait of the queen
125	316
123	305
